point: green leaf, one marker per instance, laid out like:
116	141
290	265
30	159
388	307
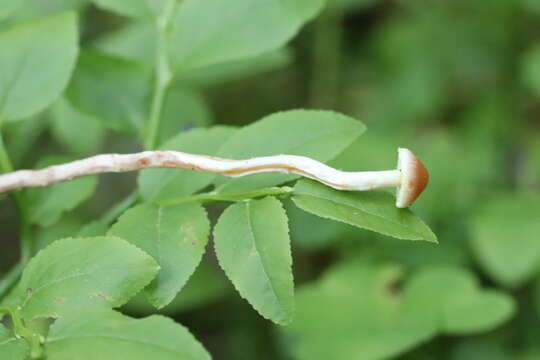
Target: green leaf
11	347
205	287
321	135
93	228
163	184
113	90
21	137
504	237
8	8
136	42
28	10
458	304
133	8
77	274
252	245
183	109
531	6
237	69
309	232
36	63
452	249
67	125
530	69
371	210
113	336
377	319
230	30
65	227
353	313
174	236
46	205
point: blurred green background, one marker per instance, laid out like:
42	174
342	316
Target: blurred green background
456	81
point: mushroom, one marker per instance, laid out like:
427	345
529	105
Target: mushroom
410	177
414	178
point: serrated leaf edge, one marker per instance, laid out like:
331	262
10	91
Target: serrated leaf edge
288	321
116	302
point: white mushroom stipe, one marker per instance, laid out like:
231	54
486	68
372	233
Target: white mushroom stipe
410	178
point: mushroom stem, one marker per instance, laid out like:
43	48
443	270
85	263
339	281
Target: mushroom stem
304	166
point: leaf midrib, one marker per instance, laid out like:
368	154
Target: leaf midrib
158	229
415	232
8	341
261	261
44	286
15	79
52	340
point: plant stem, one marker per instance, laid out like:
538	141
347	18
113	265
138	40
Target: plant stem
163	75
20	330
232	197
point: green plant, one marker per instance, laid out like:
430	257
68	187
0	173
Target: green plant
156	245
111	267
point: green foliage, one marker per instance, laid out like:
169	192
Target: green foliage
221	37
379	320
286	133
111	335
113	90
136	42
46	206
505	238
67	123
191	75
49	44
22	11
9	7
370	318
64	228
237	69
204	288
458	306
531	69
183	109
373	210
136	8
10	347
77	273
164	184
312	232
23	135
174	236
259	260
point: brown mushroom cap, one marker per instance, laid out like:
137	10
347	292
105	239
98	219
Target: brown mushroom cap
414	178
